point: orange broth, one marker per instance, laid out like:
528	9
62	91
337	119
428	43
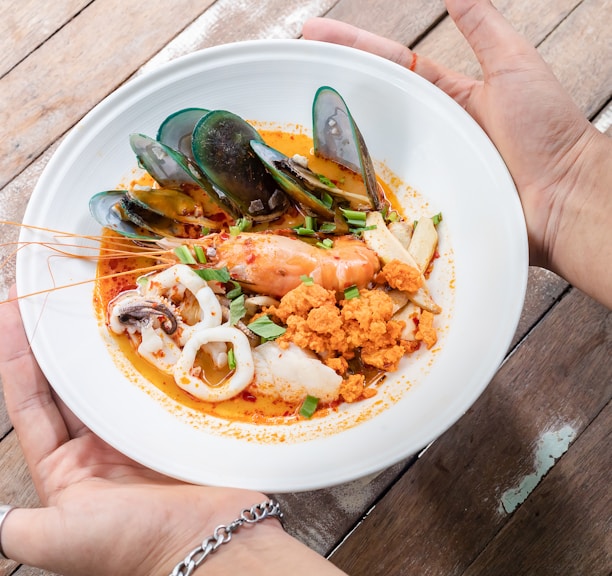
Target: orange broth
245	407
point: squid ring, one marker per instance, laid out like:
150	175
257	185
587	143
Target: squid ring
236	383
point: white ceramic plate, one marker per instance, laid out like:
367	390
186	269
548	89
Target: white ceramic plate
412	130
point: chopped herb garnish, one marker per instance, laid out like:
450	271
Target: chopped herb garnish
200	254
310	222
437	218
142	281
327	199
205	231
354	217
392	216
362	229
301	231
265	328
309	406
326	244
235	291
351	292
327	227
213	274
306	280
325	180
241	225
237	310
231	359
184	255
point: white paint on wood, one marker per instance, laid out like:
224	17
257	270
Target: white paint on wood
550	447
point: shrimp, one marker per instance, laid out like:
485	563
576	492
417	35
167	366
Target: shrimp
273	264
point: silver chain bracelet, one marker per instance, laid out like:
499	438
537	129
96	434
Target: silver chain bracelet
223	534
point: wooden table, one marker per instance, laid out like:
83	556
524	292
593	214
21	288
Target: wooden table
521	484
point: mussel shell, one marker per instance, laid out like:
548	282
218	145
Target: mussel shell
171	169
105	207
176	130
301	184
221	148
337	137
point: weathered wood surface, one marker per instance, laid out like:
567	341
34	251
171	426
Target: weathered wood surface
443	514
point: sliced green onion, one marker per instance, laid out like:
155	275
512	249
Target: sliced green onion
327	199
362	229
214	274
392	216
205	231
231	359
437	218
306	280
184	255
327	227
241	225
235	291
309	406
301	231
200	254
325	180
353	217
326	244
351	292
265	328
237	310
142	281
310	222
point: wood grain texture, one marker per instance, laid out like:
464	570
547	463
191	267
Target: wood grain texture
16	486
232	21
580	54
576	500
438	515
399	20
24	26
321	518
102	47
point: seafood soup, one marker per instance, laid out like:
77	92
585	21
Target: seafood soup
268	281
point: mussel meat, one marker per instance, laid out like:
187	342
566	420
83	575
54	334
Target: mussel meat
337	137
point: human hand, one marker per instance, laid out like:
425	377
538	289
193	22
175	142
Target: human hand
560	163
103	513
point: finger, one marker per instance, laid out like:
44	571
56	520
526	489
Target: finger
336	32
30	405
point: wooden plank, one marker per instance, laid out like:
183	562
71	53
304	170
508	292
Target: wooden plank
102	46
16	486
26	24
580	53
320	518
544	288
438	517
552	533
231	21
396	19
